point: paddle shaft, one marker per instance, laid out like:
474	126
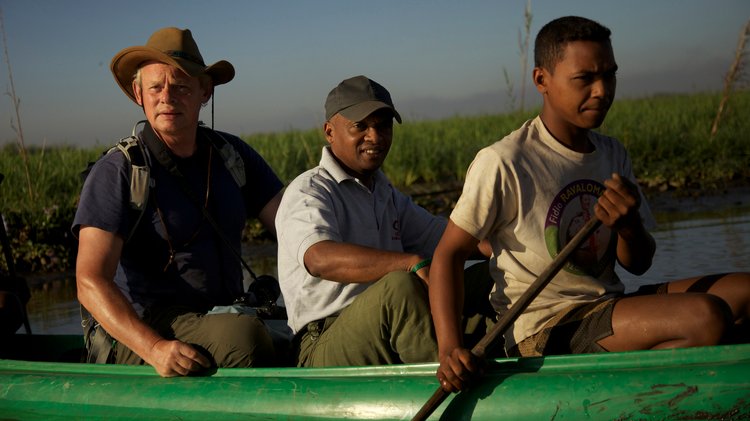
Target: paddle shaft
12	267
493	337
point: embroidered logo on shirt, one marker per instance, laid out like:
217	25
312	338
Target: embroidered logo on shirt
397	234
567	215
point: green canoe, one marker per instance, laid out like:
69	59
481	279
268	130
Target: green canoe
686	384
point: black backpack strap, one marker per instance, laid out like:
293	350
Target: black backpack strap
140	178
232	160
138	171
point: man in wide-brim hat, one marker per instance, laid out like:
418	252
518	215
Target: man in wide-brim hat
173	267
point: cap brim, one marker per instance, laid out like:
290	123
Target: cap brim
360	111
126	62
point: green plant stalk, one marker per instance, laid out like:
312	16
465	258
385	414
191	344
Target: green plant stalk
16	104
731	77
524	47
509	91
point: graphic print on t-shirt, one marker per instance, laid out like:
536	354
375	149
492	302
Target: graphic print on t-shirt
571	209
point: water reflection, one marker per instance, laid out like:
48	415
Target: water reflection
688	244
54	308
695	247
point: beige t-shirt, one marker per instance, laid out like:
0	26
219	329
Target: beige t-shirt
528	194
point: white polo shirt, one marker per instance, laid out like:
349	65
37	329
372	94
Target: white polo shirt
325	203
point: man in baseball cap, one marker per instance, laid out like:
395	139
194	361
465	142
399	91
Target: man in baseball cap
168	262
354	252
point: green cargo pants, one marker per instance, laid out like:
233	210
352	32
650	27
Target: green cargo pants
390	323
227	340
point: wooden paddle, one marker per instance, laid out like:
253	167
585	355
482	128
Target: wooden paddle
493	337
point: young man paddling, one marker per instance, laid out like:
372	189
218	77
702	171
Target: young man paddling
525	192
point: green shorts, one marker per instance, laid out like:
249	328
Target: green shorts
578	328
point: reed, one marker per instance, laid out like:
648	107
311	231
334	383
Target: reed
16	105
523	49
736	73
666	137
57	181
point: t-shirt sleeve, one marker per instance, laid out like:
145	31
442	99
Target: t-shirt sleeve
105	197
262	183
488	201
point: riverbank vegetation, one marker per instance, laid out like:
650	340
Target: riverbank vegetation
666	136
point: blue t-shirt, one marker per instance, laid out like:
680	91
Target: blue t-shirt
205	272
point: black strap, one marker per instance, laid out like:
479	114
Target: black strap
162	154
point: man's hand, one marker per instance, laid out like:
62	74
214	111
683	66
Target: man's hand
175	358
618	206
458	369
618	209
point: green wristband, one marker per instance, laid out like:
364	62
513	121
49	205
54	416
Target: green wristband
421	264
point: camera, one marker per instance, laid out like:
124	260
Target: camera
263	292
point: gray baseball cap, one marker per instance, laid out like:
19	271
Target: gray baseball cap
358	97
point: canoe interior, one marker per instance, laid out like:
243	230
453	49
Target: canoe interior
686	384
49	348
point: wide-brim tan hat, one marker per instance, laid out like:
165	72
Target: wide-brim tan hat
172	46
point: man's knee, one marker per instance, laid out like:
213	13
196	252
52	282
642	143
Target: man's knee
402	285
717	322
239	340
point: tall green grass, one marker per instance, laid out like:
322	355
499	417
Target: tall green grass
38	226
54	176
422	151
667	138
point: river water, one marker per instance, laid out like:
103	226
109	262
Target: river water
710	234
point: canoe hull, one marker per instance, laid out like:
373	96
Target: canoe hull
700	384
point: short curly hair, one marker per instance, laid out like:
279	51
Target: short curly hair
549	47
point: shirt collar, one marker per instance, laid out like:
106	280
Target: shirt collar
329	163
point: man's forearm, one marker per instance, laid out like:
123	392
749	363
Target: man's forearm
112	310
635	249
447	286
98	254
351	263
446	301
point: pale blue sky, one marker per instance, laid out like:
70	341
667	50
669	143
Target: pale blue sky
437	58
